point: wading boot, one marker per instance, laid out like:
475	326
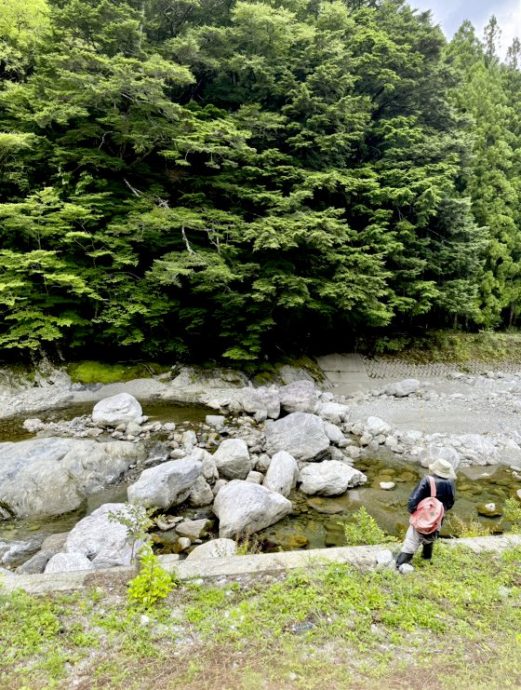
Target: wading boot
427	551
403	558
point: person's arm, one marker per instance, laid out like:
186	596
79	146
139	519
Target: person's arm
451	495
422	490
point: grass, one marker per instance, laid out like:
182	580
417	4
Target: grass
453	624
453	347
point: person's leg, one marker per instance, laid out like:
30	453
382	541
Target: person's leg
410	545
427	550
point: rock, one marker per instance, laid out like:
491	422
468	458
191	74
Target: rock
167	522
326	506
329	478
216	548
201	493
262	402
333	412
165	485
68	562
101	538
335	434
232	459
244	508
489	510
403	388
299	396
184	543
52	476
216	421
301	434
193	529
210	472
384	558
353	452
15	552
282	473
406	569
255	477
262	463
33	425
428	455
118	409
219	485
387	486
518	494
376	427
36	564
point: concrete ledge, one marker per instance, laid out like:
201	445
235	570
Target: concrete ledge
233	566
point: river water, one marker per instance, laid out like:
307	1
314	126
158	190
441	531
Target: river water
316	522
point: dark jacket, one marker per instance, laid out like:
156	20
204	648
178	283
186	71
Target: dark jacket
445	492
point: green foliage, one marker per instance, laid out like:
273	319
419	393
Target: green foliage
137	520
512	514
152	583
362	528
239	179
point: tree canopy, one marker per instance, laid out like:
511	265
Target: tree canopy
203	177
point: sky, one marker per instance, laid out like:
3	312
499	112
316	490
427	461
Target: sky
451	13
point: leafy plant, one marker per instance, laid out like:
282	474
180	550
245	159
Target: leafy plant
152	583
362	528
137	520
512	514
459	527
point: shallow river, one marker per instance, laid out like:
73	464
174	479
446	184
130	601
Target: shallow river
316	522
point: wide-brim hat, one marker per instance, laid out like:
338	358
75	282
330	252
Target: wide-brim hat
443	469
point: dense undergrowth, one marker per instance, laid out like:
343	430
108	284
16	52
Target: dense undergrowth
452	624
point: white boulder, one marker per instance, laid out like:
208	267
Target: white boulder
329	478
377	427
262	402
333	412
282	473
165	485
301	434
299	396
68	562
216	548
244	508
102	538
52	476
402	389
118	409
232	459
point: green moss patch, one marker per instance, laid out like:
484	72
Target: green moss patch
89	371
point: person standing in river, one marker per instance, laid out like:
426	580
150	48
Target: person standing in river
440	485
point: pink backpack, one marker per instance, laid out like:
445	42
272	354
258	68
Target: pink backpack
428	516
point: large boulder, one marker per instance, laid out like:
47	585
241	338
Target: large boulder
377	427
282	473
244	508
51	476
329	478
401	389
299	396
301	434
102	537
118	409
68	562
216	548
427	455
333	412
232	459
262	402
165	485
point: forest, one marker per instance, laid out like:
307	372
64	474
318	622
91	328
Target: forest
234	179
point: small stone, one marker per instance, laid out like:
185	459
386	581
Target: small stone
387	486
184	543
255	477
406	568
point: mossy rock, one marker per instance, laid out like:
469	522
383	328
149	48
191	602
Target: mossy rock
90	371
490	510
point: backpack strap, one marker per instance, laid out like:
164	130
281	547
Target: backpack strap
433	487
